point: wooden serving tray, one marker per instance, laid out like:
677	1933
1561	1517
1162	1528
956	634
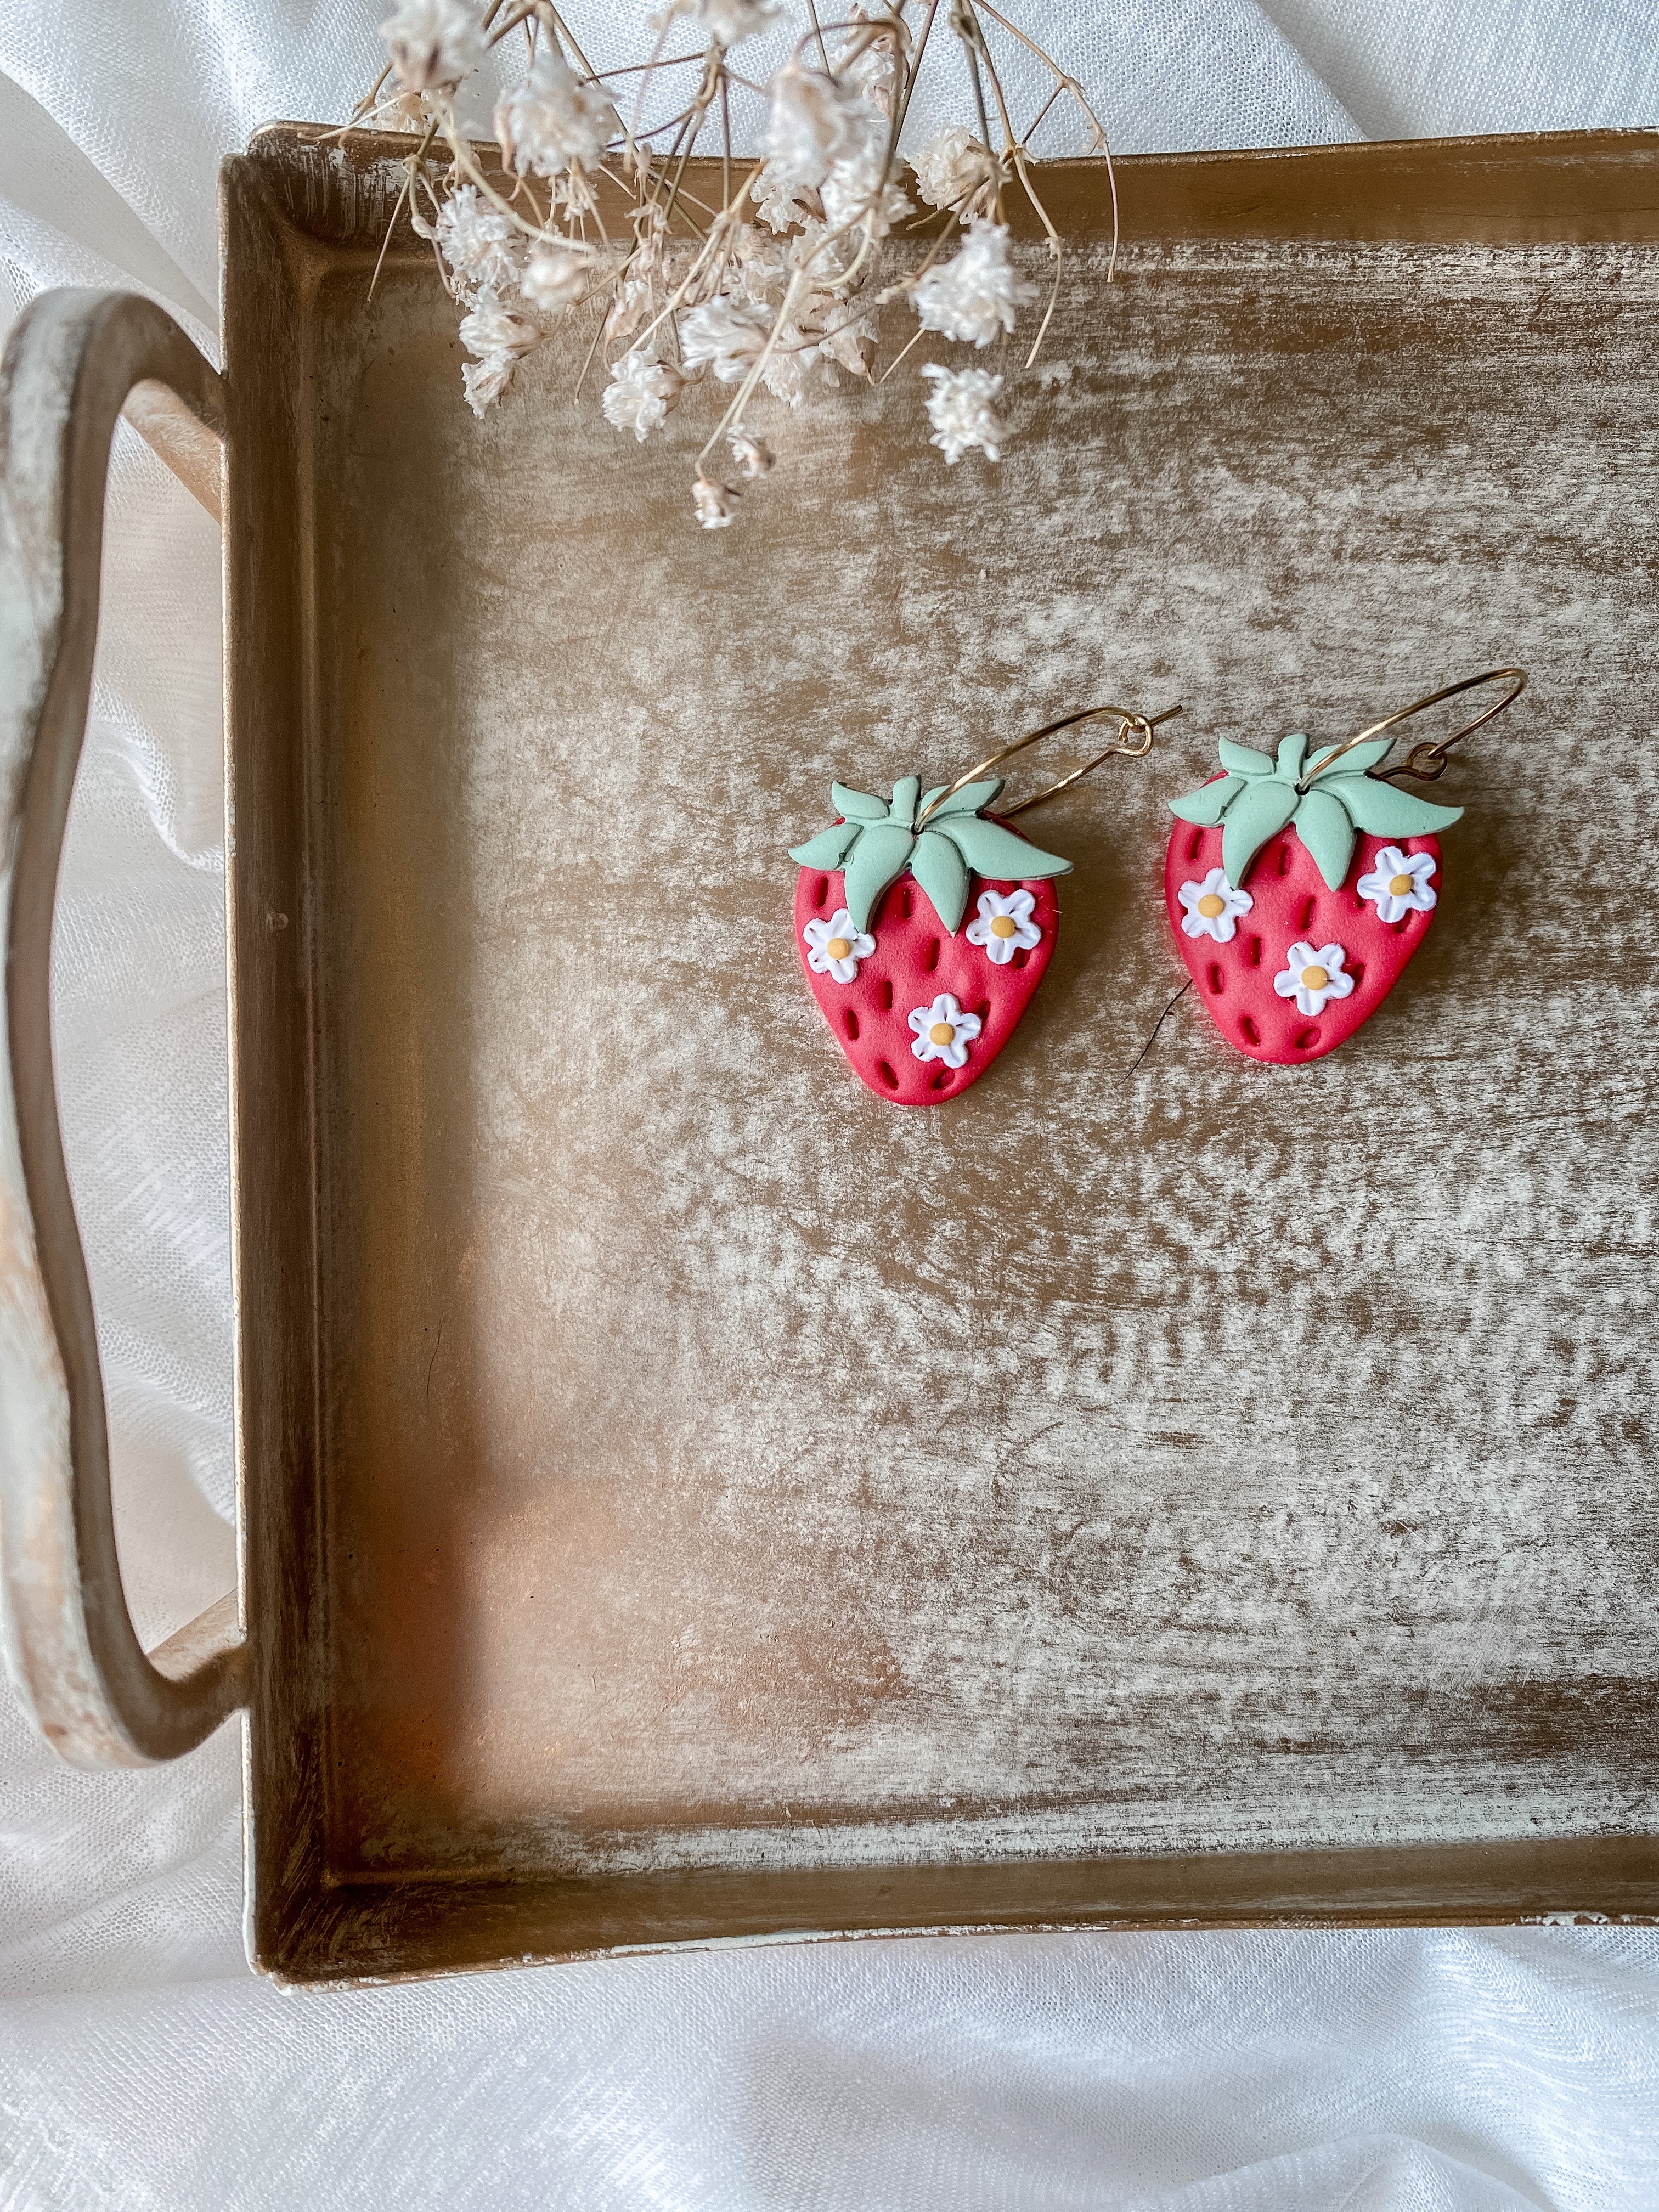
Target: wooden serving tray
685	1499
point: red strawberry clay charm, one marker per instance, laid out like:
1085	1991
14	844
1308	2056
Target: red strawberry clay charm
1298	890
920	1005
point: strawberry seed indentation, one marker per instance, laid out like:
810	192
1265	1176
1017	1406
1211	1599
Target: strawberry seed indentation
1306	922
1218	981
1252	1034
884	1070
1308	1040
885	995
1253	952
932	961
850	1023
822	892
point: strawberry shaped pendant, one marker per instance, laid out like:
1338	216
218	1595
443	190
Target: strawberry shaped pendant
921	1004
1299	889
924	924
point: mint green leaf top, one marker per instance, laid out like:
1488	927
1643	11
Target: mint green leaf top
968	800
1324	826
1359	758
991	850
1203	807
829	847
1381	810
1242	761
1258	796
940	870
879	859
906	792
875	844
858	805
1261	810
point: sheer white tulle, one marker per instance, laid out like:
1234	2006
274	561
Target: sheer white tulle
141	2065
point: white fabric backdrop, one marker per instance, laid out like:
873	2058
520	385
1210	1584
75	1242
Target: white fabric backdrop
139	2063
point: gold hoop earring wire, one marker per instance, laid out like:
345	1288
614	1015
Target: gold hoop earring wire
1125	717
1427	763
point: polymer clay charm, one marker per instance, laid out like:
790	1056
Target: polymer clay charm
1299	888
925	924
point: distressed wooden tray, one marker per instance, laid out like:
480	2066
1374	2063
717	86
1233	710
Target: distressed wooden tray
685	1500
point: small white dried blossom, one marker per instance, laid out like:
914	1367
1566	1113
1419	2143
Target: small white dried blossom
975	294
555	119
781	198
856	191
796	365
641	393
485	381
725	20
961	407
715	503
396	109
490	328
814	123
475	240
724	337
954	169
873	71
556	276
434	43
752	456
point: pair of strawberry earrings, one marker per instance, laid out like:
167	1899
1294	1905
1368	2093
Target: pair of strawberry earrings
1297	888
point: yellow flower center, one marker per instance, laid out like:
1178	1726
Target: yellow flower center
1313	979
1005	925
1210	906
1402	886
942	1033
838	948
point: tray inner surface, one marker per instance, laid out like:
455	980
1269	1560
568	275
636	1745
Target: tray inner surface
1153	1452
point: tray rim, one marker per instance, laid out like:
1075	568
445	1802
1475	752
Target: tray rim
332	1930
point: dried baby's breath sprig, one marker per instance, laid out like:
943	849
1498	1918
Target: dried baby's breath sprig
962	409
772	293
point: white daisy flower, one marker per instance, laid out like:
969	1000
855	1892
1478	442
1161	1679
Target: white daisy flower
835	948
1399	885
1313	978
1005	925
944	1031
1213	908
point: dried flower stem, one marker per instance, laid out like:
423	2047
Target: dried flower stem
778	286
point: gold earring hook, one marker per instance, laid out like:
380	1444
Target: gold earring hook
1427	763
1127	720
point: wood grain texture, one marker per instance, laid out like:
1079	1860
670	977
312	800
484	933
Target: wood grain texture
1151	1454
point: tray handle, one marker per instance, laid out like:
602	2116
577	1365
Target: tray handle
73	1654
